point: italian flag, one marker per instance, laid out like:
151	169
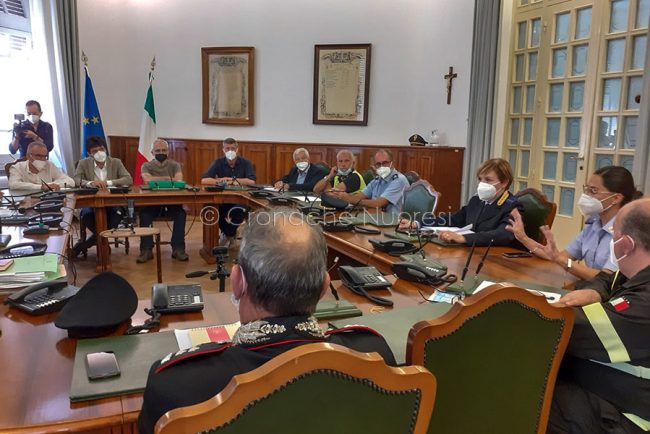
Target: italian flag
147	134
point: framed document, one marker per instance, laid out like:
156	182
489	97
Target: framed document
341	84
228	77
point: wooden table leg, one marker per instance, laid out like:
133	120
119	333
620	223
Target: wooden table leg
158	264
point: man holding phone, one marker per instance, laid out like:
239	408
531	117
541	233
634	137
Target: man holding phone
343	176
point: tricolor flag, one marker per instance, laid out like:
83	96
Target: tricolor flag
91	121
147	133
620	303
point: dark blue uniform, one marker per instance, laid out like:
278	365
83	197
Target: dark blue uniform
488	220
314	174
43	130
192	376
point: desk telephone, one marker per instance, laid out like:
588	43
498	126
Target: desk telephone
176	298
21	250
362	279
43	297
414	268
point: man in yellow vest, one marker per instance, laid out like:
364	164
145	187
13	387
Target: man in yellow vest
604	383
343	176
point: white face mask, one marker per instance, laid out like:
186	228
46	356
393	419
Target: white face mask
99	156
34	118
383	172
231	155
344	172
612	254
590	206
486	191
39	164
302	165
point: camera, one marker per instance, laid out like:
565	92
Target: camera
20	124
221	253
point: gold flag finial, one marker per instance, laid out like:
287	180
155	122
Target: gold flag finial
84	58
153	63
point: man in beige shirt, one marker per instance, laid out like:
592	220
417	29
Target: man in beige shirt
37	172
98	170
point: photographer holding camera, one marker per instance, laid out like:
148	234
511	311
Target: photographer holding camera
32	129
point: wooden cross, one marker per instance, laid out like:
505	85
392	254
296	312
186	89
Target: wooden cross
449	77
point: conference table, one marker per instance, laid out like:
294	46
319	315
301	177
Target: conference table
36	358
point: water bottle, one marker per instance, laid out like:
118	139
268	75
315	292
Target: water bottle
434	138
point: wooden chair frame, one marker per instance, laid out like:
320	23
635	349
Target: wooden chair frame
474	305
432	191
248	387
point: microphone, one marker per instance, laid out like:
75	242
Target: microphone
335	293
469	259
197	273
480	265
45	184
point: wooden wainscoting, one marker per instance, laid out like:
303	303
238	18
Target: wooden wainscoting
441	166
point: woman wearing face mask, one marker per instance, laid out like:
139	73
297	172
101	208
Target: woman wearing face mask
606	191
488	212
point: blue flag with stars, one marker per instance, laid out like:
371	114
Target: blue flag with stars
91	121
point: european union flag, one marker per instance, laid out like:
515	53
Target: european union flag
91	121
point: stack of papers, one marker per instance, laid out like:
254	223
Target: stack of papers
189	338
29	270
465	230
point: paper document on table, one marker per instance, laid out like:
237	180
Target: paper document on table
551	297
47	262
461	231
218	333
270	189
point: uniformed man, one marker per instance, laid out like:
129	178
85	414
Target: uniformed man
343	176
303	175
604	382
280	277
386	191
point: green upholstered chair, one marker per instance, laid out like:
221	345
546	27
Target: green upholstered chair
420	198
314	388
495	357
538	211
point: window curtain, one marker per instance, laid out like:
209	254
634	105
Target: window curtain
642	154
55	31
482	91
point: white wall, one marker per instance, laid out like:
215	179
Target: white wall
413	44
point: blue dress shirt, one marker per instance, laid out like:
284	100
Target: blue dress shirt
392	189
592	245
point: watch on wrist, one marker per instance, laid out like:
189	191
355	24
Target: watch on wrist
569	264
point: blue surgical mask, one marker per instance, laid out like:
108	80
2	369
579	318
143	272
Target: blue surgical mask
344	172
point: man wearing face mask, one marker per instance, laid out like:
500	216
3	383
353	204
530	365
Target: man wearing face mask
231	169
37	172
604	383
303	176
162	168
343	176
386	191
98	170
279	278
33	129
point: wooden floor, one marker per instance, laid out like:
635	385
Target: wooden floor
143	276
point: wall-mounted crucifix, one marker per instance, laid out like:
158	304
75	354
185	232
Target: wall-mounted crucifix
449	77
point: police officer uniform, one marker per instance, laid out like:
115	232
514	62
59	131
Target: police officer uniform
488	220
604	382
192	376
390	188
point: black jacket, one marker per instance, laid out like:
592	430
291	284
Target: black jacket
314	174
192	376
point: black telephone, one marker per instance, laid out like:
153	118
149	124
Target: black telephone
336	226
21	250
361	279
43	297
393	247
261	193
176	298
420	270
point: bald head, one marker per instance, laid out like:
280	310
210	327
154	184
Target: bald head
283	259
633	220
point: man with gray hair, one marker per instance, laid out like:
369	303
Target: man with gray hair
303	175
162	168
280	277
604	383
343	176
37	172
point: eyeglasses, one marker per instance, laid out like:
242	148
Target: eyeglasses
587	189
379	164
39	156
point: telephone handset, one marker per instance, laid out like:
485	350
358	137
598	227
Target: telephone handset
176	298
362	279
33	248
43	297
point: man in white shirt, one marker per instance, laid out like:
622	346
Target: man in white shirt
37	172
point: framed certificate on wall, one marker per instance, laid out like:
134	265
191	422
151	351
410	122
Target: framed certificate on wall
228	77
341	84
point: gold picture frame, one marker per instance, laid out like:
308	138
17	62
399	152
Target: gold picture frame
341	84
228	90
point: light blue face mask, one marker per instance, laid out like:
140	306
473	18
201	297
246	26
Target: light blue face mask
344	172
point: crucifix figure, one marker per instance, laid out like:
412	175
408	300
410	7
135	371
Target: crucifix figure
449	77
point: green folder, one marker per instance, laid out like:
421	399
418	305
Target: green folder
135	355
394	325
384	219
331	309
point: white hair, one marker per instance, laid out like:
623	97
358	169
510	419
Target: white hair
300	151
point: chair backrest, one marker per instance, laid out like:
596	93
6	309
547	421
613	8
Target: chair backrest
538	211
495	358
349	391
11	163
420	198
